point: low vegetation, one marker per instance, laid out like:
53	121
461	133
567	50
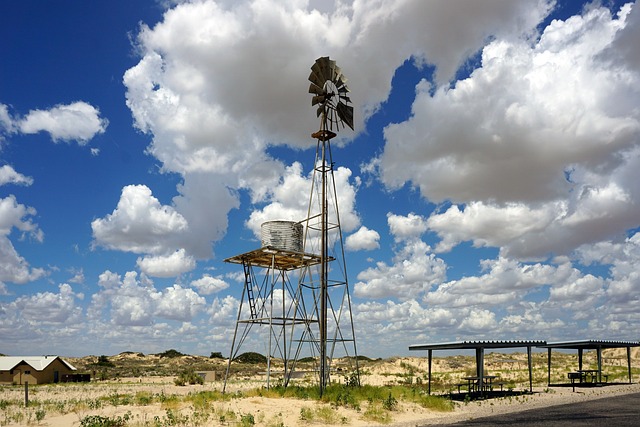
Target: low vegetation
145	401
251	358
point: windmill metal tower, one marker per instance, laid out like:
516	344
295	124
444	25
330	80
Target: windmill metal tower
316	312
332	299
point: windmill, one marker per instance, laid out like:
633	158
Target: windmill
335	320
317	311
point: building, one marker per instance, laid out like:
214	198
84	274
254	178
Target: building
33	369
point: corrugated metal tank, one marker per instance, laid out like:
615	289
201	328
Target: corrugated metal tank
285	235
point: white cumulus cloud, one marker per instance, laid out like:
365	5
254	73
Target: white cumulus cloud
538	147
78	121
166	265
208	285
8	175
363	239
139	223
13	267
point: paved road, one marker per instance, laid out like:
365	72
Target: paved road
618	411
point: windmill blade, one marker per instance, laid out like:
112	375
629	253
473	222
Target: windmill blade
318	99
337	73
324	65
345	98
320	110
320	67
313	88
316	78
332	69
345	112
342	88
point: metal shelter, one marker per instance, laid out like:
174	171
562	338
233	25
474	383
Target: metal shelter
597	345
479	347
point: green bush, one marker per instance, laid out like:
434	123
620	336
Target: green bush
100	421
104	361
390	403
247	420
251	357
188	377
170	354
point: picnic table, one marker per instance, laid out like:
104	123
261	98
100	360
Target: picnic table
593	376
473	383
588	375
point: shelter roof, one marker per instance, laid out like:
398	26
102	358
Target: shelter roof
591	344
38	363
478	344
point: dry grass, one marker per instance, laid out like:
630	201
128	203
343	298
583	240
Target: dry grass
393	389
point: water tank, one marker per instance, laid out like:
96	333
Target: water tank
285	235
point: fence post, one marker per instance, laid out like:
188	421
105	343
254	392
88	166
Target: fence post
26	394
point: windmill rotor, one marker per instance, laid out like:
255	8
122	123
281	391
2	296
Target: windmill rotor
329	89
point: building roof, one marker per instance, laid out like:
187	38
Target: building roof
477	344
591	344
38	363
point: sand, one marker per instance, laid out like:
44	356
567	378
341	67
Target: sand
279	411
67	404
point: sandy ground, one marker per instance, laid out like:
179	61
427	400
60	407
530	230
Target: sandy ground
278	411
542	397
66	405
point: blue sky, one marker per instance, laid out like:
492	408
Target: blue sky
489	190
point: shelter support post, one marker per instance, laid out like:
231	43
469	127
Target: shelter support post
480	367
548	366
580	359
530	369
599	354
629	362
429	384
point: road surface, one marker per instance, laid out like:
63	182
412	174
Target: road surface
617	411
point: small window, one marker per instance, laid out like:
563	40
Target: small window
27	372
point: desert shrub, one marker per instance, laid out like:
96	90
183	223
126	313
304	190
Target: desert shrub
436	403
365	358
306	414
144	398
247	420
327	415
383	398
216	355
390	403
170	354
251	357
188	376
323	414
100	421
118	399
170	401
376	413
352	380
104	361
